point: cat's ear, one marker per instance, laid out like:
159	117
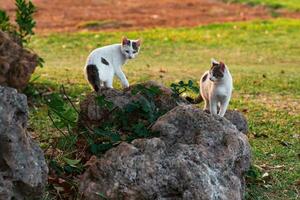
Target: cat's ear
222	65
214	62
138	43
125	41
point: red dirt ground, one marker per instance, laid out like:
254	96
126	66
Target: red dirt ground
71	15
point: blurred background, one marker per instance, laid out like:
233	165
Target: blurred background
72	15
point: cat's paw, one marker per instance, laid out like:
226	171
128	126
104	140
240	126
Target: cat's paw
126	89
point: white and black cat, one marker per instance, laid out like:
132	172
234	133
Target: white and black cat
216	88
105	62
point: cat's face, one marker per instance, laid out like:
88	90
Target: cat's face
130	48
216	72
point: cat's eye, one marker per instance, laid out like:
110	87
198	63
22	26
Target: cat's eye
134	51
127	51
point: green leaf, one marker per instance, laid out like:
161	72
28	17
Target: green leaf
253	172
64	115
155	90
181	87
100	194
140	130
73	169
56	167
100	148
41	62
113	136
195	89
71	162
173	85
145	105
131	107
4	21
103	103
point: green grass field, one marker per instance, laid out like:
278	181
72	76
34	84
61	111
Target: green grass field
264	60
288	4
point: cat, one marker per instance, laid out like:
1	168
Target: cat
216	88
105	62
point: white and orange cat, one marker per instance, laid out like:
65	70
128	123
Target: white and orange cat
104	63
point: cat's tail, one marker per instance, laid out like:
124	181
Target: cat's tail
197	100
92	75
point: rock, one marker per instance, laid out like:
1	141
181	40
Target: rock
238	119
16	63
23	169
167	100
197	156
91	115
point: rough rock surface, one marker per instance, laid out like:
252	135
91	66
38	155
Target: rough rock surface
16	63
237	119
197	156
23	170
91	114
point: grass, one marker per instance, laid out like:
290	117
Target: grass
263	57
293	5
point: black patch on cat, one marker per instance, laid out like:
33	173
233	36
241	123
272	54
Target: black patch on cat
215	64
217	71
204	78
135	46
127	43
93	76
105	62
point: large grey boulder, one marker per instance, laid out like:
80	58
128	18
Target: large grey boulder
16	63
23	170
197	156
